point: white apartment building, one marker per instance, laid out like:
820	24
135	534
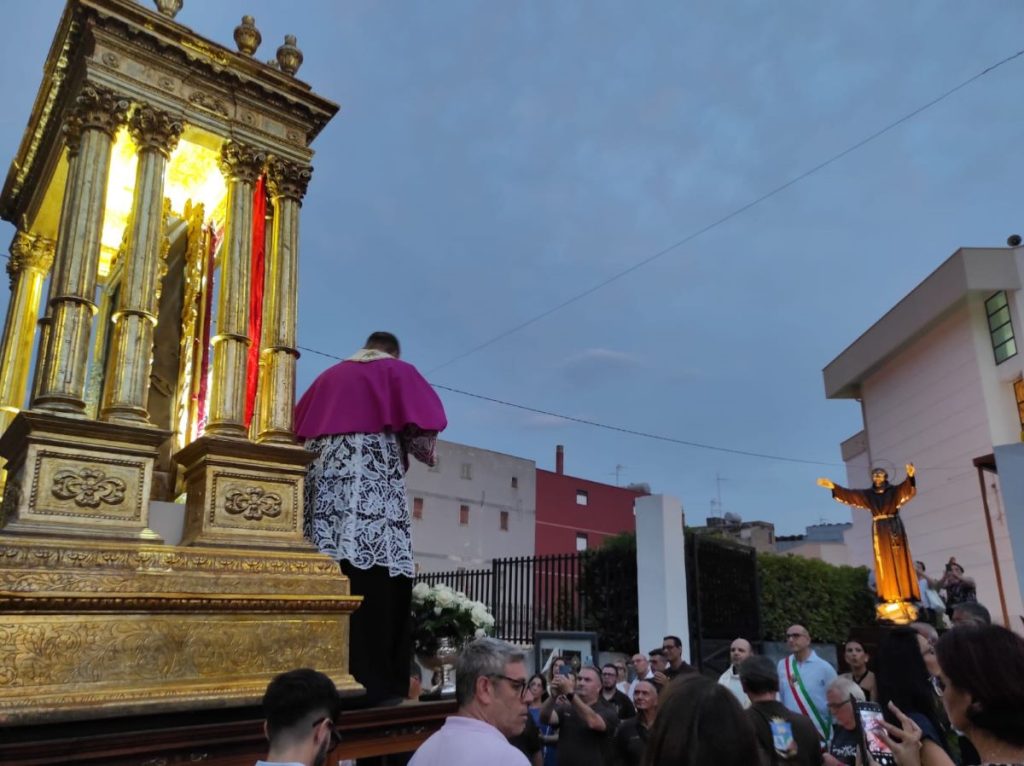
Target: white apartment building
939	381
475	505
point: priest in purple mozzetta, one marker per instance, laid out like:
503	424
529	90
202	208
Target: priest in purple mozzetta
363	419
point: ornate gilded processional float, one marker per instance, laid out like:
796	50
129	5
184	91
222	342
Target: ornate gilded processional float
156	195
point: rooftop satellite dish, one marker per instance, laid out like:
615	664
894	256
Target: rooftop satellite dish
733	518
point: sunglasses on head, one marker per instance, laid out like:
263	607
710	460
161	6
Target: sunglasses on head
335	736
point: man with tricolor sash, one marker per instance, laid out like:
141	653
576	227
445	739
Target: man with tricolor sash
803	680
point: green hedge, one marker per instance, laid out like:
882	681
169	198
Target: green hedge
828	600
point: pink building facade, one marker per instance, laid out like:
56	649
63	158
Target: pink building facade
938	379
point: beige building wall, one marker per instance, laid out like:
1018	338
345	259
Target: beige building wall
858	474
928	407
938	399
462	502
830	553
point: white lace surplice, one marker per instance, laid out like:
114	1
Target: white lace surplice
355	505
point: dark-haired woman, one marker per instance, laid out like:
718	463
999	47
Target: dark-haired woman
538	687
857	659
530	742
982	685
699	723
904	681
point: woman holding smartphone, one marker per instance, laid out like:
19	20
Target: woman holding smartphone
903	680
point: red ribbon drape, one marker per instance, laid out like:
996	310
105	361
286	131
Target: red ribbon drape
259	225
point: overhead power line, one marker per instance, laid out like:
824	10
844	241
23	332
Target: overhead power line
637	432
728	217
606	426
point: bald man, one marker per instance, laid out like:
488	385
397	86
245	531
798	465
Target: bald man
739	650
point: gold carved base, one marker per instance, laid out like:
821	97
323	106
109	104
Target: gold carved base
69	476
244	494
96	629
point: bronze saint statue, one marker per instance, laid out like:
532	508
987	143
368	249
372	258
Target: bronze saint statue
894	567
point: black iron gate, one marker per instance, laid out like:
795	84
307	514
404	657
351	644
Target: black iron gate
594	591
723	597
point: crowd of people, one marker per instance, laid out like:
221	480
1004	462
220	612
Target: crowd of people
958	699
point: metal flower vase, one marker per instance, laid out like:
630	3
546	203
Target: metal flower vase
443	661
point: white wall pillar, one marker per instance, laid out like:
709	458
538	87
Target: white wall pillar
1010	464
661	572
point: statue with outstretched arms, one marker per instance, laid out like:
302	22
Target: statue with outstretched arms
894	566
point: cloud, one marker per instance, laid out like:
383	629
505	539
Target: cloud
540	422
597	363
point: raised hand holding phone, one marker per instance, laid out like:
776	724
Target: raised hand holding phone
903	740
869	715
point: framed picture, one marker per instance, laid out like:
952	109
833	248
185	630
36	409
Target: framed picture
578	648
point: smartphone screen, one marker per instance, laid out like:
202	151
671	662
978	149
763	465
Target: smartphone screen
871	723
565	670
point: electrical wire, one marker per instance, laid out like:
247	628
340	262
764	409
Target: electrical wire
729	216
637	432
606	426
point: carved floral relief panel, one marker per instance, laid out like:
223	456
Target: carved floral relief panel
242	501
99	488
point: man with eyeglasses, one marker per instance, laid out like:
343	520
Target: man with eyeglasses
803	679
611	694
301	707
845	740
642	668
493	696
672	646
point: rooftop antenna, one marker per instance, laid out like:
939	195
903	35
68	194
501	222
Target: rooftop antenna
716	504
618	469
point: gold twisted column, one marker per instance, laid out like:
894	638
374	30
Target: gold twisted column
89	132
241	166
31	258
126	391
274	416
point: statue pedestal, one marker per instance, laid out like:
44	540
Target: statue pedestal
100	628
77	477
896	612
244	494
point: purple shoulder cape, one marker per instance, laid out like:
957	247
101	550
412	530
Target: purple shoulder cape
368	397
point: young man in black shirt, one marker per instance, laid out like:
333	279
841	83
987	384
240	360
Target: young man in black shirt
800	746
611	695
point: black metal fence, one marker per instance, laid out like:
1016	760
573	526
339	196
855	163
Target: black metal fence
595	591
476	584
525	594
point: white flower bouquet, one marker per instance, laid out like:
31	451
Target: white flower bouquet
439	612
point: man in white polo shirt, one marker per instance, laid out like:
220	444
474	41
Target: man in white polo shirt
491	689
